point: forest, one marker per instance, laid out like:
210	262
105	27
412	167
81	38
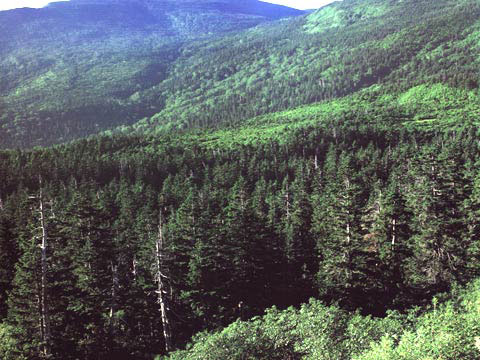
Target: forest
83	66
308	189
157	75
362	218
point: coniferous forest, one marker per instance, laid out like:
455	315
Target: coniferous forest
302	188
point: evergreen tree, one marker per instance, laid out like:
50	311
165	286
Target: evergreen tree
472	209
8	259
437	201
300	245
387	242
338	229
31	300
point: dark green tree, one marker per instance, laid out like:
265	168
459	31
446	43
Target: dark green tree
8	259
338	229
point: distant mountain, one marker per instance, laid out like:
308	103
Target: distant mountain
86	77
187	18
71	67
389	47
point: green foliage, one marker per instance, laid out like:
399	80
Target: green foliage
278	334
448	331
173	80
369	218
8	258
344	14
8	343
77	67
363	191
283	66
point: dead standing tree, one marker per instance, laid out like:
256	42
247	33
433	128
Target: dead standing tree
162	284
43	301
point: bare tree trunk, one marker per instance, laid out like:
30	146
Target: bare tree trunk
113	290
287	201
394	232
134	268
162	288
45	316
113	326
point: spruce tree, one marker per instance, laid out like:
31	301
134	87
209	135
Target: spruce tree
436	197
8	259
339	235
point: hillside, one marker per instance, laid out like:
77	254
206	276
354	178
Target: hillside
336	51
312	202
74	68
325	167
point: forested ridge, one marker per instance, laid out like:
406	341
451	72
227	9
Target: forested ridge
78	67
334	52
305	219
96	75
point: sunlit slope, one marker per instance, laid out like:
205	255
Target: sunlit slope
425	108
307	60
142	76
446	330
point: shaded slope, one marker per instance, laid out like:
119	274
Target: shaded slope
72	67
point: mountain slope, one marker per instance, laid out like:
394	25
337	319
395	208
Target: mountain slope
71	67
131	72
363	192
289	206
274	68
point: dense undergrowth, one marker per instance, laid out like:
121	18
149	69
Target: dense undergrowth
448	329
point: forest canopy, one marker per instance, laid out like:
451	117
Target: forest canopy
306	188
